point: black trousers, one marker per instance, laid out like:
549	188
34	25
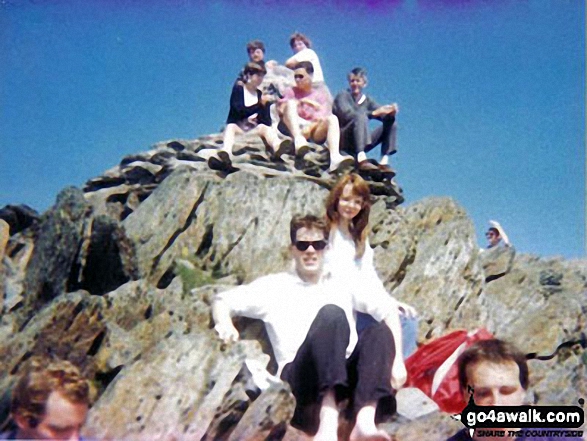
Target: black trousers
320	365
355	137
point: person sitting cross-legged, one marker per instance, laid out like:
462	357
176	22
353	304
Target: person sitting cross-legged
354	109
310	322
306	112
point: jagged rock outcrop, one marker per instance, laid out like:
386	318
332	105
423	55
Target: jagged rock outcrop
119	279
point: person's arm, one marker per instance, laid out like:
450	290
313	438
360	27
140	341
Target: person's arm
504	237
293	60
399	374
371	297
245	300
221	314
344	107
367	271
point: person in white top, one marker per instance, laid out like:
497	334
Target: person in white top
350	258
310	323
301	45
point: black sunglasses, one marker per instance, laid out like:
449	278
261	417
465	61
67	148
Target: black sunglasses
299	77
303	245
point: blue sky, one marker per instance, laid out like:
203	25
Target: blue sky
491	93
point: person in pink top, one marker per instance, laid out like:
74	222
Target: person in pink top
306	112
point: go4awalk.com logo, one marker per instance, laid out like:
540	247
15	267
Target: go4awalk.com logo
554	421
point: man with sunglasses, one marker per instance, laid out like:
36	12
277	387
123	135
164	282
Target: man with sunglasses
310	322
496	236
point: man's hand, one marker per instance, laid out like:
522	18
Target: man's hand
399	375
407	310
227	332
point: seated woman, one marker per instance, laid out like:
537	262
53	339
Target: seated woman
350	255
306	112
249	112
301	45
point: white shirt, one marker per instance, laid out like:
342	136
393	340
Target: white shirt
311	56
340	261
250	98
288	306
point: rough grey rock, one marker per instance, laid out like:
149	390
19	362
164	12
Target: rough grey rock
19	217
441	275
50	268
497	261
182	382
146	339
103	262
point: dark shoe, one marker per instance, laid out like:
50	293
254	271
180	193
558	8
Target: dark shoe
221	161
368	166
285	146
386	170
224	157
301	151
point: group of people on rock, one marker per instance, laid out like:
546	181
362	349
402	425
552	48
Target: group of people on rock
337	362
340	339
307	112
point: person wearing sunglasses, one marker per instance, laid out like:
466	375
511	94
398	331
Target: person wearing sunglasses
306	112
309	318
496	236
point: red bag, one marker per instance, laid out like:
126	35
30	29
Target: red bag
433	369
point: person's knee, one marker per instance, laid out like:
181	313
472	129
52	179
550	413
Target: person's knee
379	332
331	314
388	119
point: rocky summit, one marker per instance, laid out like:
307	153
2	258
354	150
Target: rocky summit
118	278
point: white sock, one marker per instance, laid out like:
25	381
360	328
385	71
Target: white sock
384	160
361	156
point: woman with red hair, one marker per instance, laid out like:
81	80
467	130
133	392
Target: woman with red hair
349	254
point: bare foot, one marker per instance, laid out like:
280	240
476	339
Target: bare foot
368	434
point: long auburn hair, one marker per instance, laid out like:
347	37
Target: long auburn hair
359	224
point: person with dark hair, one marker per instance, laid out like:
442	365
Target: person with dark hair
49	401
301	46
496	236
256	53
354	109
249	112
306	113
496	373
310	322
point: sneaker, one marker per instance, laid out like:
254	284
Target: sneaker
340	163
